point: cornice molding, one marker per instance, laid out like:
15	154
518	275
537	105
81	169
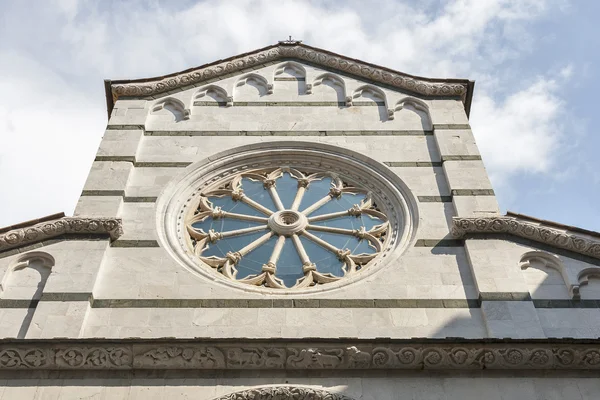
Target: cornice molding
537	231
345	354
111	227
399	80
283	392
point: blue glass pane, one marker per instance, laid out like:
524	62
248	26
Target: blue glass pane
356	245
257	192
315	191
233	244
286	187
348	222
239	207
251	263
224	224
289	265
326	261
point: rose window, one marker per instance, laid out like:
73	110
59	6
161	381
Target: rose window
287	228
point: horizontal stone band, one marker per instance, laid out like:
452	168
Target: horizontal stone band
344	354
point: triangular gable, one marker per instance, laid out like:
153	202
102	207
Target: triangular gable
163	85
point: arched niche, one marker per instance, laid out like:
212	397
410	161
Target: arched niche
172	108
329	87
589	283
368	95
546	275
291	76
27	276
414	112
212	95
250	87
283	392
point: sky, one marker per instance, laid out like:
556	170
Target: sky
535	63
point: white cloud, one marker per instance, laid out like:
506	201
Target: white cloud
53	101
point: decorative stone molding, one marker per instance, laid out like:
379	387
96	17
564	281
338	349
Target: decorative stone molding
539	232
347	354
66	225
283	392
422	86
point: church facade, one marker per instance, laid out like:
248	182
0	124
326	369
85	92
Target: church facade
291	223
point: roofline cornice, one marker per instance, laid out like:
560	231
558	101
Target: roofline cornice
462	88
48	229
578	241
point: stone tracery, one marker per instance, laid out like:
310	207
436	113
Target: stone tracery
287	228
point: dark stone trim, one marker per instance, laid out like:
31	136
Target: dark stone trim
289	133
134	243
435	199
504	296
461	158
115	158
116	193
291	79
399	164
125	127
440	243
451	126
18	303
159	164
585	303
67	296
134	199
472	192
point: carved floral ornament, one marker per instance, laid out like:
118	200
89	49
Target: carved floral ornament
283	393
287	228
348	355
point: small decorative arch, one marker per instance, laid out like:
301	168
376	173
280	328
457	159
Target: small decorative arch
38	261
297	70
174	106
373	93
417	106
256	80
541	259
215	93
283	392
331	80
585	275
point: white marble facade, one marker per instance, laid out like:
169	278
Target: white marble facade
437	286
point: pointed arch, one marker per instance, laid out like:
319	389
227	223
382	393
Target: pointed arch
373	93
173	106
215	93
331	80
258	81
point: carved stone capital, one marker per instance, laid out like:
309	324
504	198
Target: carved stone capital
111	227
537	231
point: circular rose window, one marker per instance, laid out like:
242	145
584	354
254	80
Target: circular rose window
286	228
286	216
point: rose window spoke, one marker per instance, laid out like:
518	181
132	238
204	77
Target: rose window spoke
287	228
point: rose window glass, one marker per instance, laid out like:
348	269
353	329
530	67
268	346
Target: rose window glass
287	228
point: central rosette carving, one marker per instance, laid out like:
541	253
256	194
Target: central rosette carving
285	228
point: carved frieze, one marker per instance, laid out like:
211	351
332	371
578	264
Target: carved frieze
283	392
111	227
300	52
538	232
349	355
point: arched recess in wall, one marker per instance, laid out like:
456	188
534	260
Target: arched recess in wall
589	283
290	74
325	83
27	276
212	95
368	94
555	269
171	107
283	392
243	87
413	109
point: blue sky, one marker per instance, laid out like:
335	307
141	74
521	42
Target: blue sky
535	63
